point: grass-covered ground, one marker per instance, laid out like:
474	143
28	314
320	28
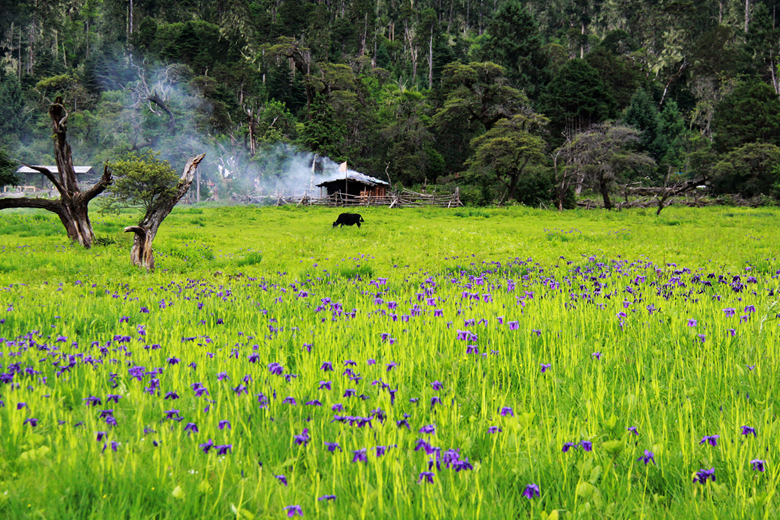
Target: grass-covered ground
492	350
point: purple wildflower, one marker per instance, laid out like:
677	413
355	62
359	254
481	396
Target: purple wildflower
281	478
294	511
758	465
703	474
648	457
712	440
531	491
506	411
359	456
747	430
425	476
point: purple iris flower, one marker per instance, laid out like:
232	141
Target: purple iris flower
597	355
173	360
649	457
359	456
545	367
224	423
350	363
462	465
514	325
241	389
338	407
222	449
751	367
349	392
327	498
437	385
19	406
170	414
403	422
101	435
313	403
325	385
472	349
327	366
206	446
747	430
531	491
712	440
281	478
92	401
333	446
506	411
691	322
171	395
434	401
758	465
633	430
730	312
494	429
703	474
731	332
222	375
429	429
586	445
568	445
381	450
191	428
391	365
294	511
113	397
289	400
303	438
425	476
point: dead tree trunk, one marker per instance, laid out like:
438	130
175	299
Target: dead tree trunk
73	205
142	254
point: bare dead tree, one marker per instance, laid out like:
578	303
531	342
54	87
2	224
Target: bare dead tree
73	205
665	194
142	254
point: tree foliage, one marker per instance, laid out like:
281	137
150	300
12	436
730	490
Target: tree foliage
141	179
508	148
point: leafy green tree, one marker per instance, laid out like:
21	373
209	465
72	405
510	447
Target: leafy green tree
619	74
508	148
475	97
407	142
750	114
12	121
575	99
140	179
643	115
7	170
514	41
751	170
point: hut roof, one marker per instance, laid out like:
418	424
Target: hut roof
80	170
354	176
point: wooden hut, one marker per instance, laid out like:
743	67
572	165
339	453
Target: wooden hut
354	184
30	179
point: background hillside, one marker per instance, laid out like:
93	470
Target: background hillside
430	92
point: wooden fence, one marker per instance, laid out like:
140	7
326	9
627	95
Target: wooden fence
395	199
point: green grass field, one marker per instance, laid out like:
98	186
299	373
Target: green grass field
474	353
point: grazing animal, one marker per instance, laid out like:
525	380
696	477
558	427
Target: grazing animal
348	219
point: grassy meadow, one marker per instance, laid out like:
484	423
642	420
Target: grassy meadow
437	364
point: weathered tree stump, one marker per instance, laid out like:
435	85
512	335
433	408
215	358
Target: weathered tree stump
142	254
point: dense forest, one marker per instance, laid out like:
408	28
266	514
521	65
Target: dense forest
528	101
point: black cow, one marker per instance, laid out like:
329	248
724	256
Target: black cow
348	219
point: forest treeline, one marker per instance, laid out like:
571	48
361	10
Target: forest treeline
528	101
